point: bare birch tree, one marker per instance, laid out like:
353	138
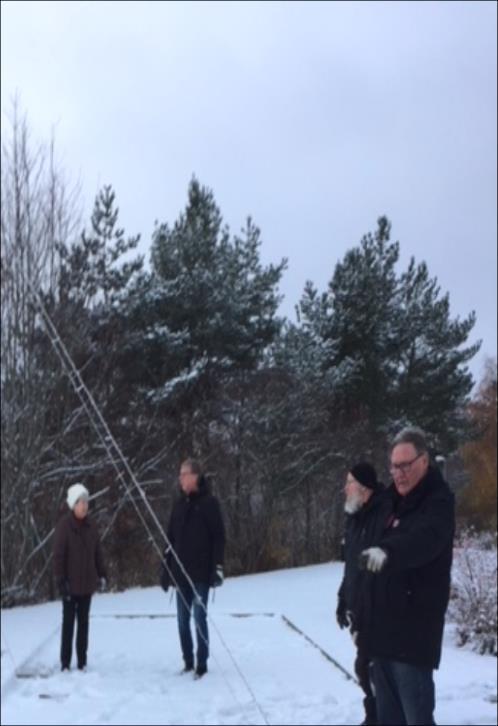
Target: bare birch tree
38	211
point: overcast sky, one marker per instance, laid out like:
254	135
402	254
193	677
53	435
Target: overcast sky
314	118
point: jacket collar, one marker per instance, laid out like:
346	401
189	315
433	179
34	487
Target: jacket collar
194	496
76	524
372	503
201	491
430	482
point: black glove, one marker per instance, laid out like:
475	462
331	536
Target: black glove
341	614
217	577
64	590
164	579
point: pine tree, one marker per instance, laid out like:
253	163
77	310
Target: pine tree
211	306
393	355
363	297
92	269
432	383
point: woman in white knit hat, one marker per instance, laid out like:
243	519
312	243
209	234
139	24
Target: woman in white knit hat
78	569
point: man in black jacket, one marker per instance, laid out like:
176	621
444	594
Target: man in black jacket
197	536
409	585
365	511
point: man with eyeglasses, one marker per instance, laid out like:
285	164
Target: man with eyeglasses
408	576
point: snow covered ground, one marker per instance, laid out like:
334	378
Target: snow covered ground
278	676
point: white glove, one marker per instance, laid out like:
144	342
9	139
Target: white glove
373	559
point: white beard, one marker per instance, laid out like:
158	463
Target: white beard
352	505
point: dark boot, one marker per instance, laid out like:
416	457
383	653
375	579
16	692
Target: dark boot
370	712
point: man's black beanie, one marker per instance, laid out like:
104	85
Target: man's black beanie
365	474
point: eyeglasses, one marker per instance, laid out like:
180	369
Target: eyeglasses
404	467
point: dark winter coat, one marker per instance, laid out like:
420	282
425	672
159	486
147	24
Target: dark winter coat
77	555
197	534
363	529
407	600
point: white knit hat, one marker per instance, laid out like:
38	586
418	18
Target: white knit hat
75	492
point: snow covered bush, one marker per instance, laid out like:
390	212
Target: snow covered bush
473	597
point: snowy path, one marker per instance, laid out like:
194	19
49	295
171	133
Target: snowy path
134	662
139	675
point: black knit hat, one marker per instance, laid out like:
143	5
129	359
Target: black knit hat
365	474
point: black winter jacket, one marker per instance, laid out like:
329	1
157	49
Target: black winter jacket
363	529
197	533
407	600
